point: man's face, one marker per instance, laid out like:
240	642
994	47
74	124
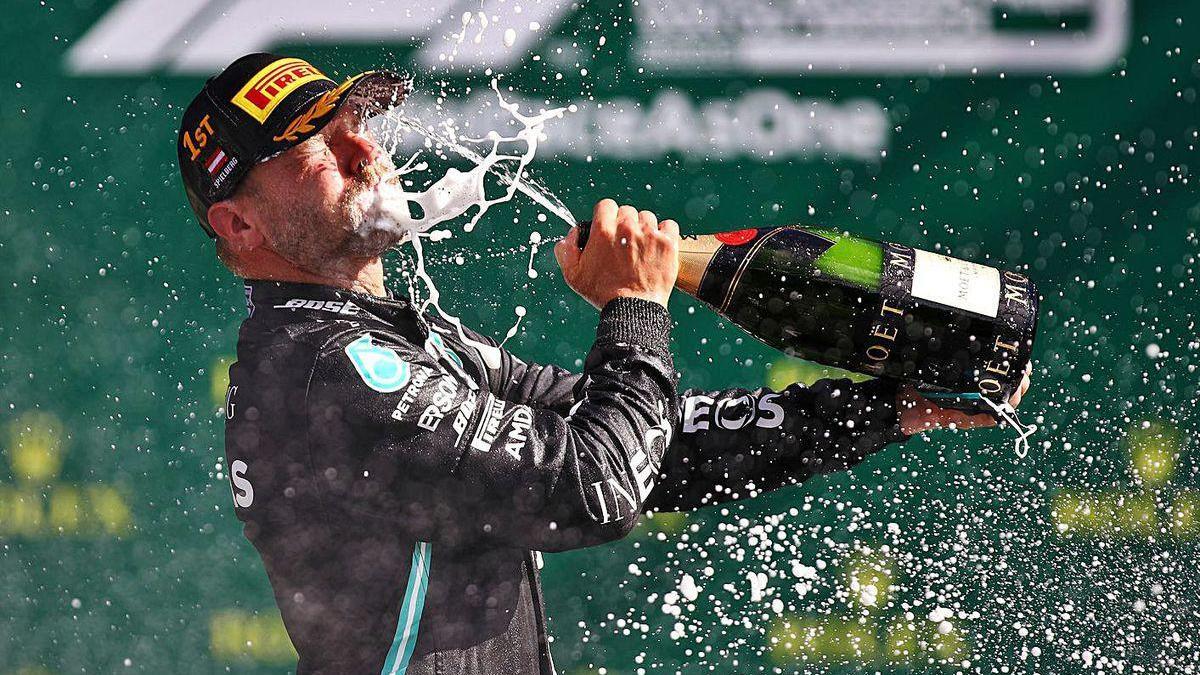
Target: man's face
308	200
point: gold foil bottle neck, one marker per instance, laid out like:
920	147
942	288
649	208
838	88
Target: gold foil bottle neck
695	252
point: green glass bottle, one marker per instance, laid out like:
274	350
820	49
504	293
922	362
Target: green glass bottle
957	330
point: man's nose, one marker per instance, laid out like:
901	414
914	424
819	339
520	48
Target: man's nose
358	152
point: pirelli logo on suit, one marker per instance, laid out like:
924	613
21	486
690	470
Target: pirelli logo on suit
489	424
502	426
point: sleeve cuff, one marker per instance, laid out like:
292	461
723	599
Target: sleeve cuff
634	321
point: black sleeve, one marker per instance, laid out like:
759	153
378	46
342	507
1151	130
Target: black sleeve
400	434
737	443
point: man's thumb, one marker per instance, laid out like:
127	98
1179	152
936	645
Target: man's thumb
566	251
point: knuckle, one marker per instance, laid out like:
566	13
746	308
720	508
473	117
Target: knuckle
605	211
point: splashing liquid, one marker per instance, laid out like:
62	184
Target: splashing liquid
1008	416
390	206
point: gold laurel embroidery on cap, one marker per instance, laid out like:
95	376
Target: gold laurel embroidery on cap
303	123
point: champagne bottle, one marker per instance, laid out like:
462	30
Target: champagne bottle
957	330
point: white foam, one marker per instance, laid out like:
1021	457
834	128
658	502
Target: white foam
410	214
389	206
758	585
688	587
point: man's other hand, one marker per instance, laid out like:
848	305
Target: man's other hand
918	414
629	254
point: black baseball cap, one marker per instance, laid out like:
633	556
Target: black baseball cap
258	107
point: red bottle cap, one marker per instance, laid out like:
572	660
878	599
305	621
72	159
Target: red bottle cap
737	237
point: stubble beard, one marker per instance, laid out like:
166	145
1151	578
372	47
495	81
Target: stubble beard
330	242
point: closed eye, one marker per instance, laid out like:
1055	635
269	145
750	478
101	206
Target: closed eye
315	151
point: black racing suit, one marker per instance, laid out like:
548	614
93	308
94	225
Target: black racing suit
397	479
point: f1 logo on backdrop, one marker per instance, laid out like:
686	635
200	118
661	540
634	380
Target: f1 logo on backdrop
200	38
675	37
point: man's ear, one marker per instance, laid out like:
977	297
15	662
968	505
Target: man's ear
232	224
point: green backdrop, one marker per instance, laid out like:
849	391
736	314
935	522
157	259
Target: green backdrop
119	550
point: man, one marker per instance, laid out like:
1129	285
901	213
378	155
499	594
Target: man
396	475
